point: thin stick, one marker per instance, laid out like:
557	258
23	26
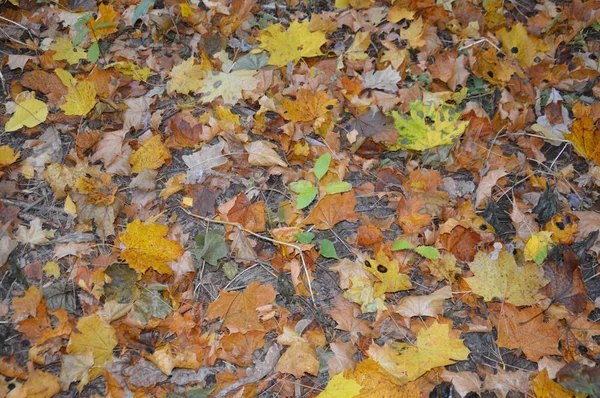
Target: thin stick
241	228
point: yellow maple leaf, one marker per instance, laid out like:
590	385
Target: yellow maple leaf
146	247
544	387
427	127
7	156
586	138
388	273
151	155
80	99
105	24
414	34
537	245
307	106
96	336
130	69
291	44
505	280
168	357
29	113
228	86
362	292
187	77
64	50
376	383
339	386
433	348
521	45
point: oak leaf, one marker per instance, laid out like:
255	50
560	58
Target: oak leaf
147	247
238	311
505	280
434	347
333	209
292	44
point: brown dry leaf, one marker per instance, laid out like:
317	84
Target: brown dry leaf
461	242
410	216
579	332
47	83
345	314
263	153
250	215
168	357
504	382
333	209
343	357
40	384
525	330
238	310
348	268
566	284
428	305
484	190
239	348
300	357
172	186
463	382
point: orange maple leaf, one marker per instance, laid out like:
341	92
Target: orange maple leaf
250	215
308	106
238	311
333	209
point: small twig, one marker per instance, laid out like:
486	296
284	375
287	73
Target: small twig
33	205
241	228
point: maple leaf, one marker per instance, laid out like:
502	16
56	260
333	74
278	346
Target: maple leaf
505	280
521	45
433	348
7	156
250	215
387	271
586	138
81	99
537	245
228	86
376	382
333	209
427	305
64	49
41	384
27	305
168	358
300	358
146	247
151	155
544	387
525	330
427	127
339	386
239	348
362	291
76	368
238	310
205	159
34	235
263	153
345	314
308	106
292	44
187	77
29	113
97	336
105	24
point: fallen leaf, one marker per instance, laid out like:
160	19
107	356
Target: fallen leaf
343	357
152	155
520	44
434	347
339	386
427	305
29	113
504	382
300	357
187	77
262	153
503	279
586	138
80	99
292	44
228	86
566	283
537	246
385	79
7	156
34	235
146	247
544	387
484	190
387	271
41	384
64	49
308	106
237	310
97	336
525	330
333	209
376	383
251	216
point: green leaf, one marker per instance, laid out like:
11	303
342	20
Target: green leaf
151	304
306	198
337	187
93	52
428	252
322	165
230	269
80	36
402	244
211	247
301	186
327	249
304	237
142	9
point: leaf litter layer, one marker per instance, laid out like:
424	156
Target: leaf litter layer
244	198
